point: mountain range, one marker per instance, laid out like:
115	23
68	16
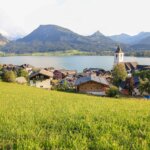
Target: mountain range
47	38
128	39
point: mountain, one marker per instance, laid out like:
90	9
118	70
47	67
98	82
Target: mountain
3	40
101	39
123	38
48	38
127	39
144	44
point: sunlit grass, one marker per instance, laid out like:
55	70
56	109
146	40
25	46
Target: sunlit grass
33	118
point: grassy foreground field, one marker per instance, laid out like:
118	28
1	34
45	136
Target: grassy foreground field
33	118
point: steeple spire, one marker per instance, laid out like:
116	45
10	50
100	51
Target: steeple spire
119	50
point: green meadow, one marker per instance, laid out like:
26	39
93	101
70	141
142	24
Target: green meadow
36	119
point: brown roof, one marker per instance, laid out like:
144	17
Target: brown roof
130	65
66	72
43	72
96	79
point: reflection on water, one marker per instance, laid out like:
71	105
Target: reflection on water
69	62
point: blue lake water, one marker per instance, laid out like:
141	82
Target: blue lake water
70	62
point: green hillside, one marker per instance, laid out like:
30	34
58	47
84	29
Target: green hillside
33	118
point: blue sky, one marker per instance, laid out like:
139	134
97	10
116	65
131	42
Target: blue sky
82	16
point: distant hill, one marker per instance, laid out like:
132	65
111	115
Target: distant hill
3	40
47	38
123	38
101	39
127	39
144	44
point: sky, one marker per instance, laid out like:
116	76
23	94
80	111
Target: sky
82	16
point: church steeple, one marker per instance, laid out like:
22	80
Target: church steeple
119	50
118	56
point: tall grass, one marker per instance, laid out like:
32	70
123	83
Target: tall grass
32	118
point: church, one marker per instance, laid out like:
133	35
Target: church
129	66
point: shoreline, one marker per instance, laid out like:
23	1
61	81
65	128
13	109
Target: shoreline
14	55
77	53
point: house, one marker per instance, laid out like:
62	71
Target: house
90	70
124	87
27	67
16	68
70	79
41	79
10	67
61	74
130	66
92	85
58	75
98	72
143	67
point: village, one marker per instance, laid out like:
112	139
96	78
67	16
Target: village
126	78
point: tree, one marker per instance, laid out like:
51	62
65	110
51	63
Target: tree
119	74
130	85
9	76
145	80
23	73
113	91
144	86
1	67
143	74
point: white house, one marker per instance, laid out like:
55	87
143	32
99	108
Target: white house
41	79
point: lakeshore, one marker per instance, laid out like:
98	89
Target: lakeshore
70	62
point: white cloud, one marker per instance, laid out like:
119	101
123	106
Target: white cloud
82	16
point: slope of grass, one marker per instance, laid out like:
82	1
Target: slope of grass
33	118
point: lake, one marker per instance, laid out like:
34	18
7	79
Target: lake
70	62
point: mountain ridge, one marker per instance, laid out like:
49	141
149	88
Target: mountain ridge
50	38
128	39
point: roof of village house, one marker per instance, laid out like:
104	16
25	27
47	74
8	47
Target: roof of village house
93	69
124	84
26	66
91	78
65	72
143	67
119	50
43	72
130	65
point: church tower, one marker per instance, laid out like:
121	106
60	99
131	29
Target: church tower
119	56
